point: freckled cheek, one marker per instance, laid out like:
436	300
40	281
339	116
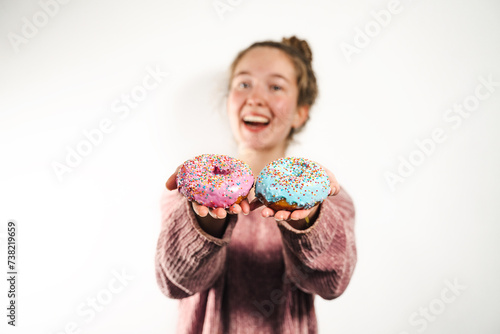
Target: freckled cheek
234	104
236	99
282	108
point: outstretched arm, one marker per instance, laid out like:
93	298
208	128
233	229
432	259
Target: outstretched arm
321	258
319	243
188	259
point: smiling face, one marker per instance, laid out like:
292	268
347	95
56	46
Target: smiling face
262	103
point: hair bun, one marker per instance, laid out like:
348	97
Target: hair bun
300	45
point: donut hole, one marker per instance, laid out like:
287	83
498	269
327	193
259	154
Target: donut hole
299	169
221	171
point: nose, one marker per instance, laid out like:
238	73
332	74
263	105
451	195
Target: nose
256	97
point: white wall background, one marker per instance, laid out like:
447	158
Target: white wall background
441	224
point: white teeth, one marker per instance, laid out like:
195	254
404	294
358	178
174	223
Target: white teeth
255	119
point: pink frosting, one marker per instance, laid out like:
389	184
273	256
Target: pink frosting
216	181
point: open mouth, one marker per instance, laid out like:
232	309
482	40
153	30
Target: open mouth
255	122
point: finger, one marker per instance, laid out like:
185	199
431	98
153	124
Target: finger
200	210
282	215
255	203
334	185
221	213
267	212
217	213
245	207
171	183
234	209
334	190
300	214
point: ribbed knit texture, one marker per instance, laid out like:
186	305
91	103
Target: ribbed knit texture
261	276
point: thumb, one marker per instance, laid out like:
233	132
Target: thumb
171	183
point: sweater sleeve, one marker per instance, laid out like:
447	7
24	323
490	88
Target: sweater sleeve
188	260
321	259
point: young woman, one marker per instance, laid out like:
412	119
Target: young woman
249	269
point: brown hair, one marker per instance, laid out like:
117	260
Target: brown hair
301	56
299	52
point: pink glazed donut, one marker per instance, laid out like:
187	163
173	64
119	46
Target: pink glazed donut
215	181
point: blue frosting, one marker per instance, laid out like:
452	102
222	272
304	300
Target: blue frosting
297	180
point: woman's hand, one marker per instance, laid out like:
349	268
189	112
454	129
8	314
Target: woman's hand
203	211
299	218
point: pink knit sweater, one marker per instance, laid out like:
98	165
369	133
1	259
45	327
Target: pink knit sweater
261	276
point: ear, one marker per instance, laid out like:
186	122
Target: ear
300	117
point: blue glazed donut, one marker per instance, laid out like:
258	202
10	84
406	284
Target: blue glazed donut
292	184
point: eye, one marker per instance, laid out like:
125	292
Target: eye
276	88
243	85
